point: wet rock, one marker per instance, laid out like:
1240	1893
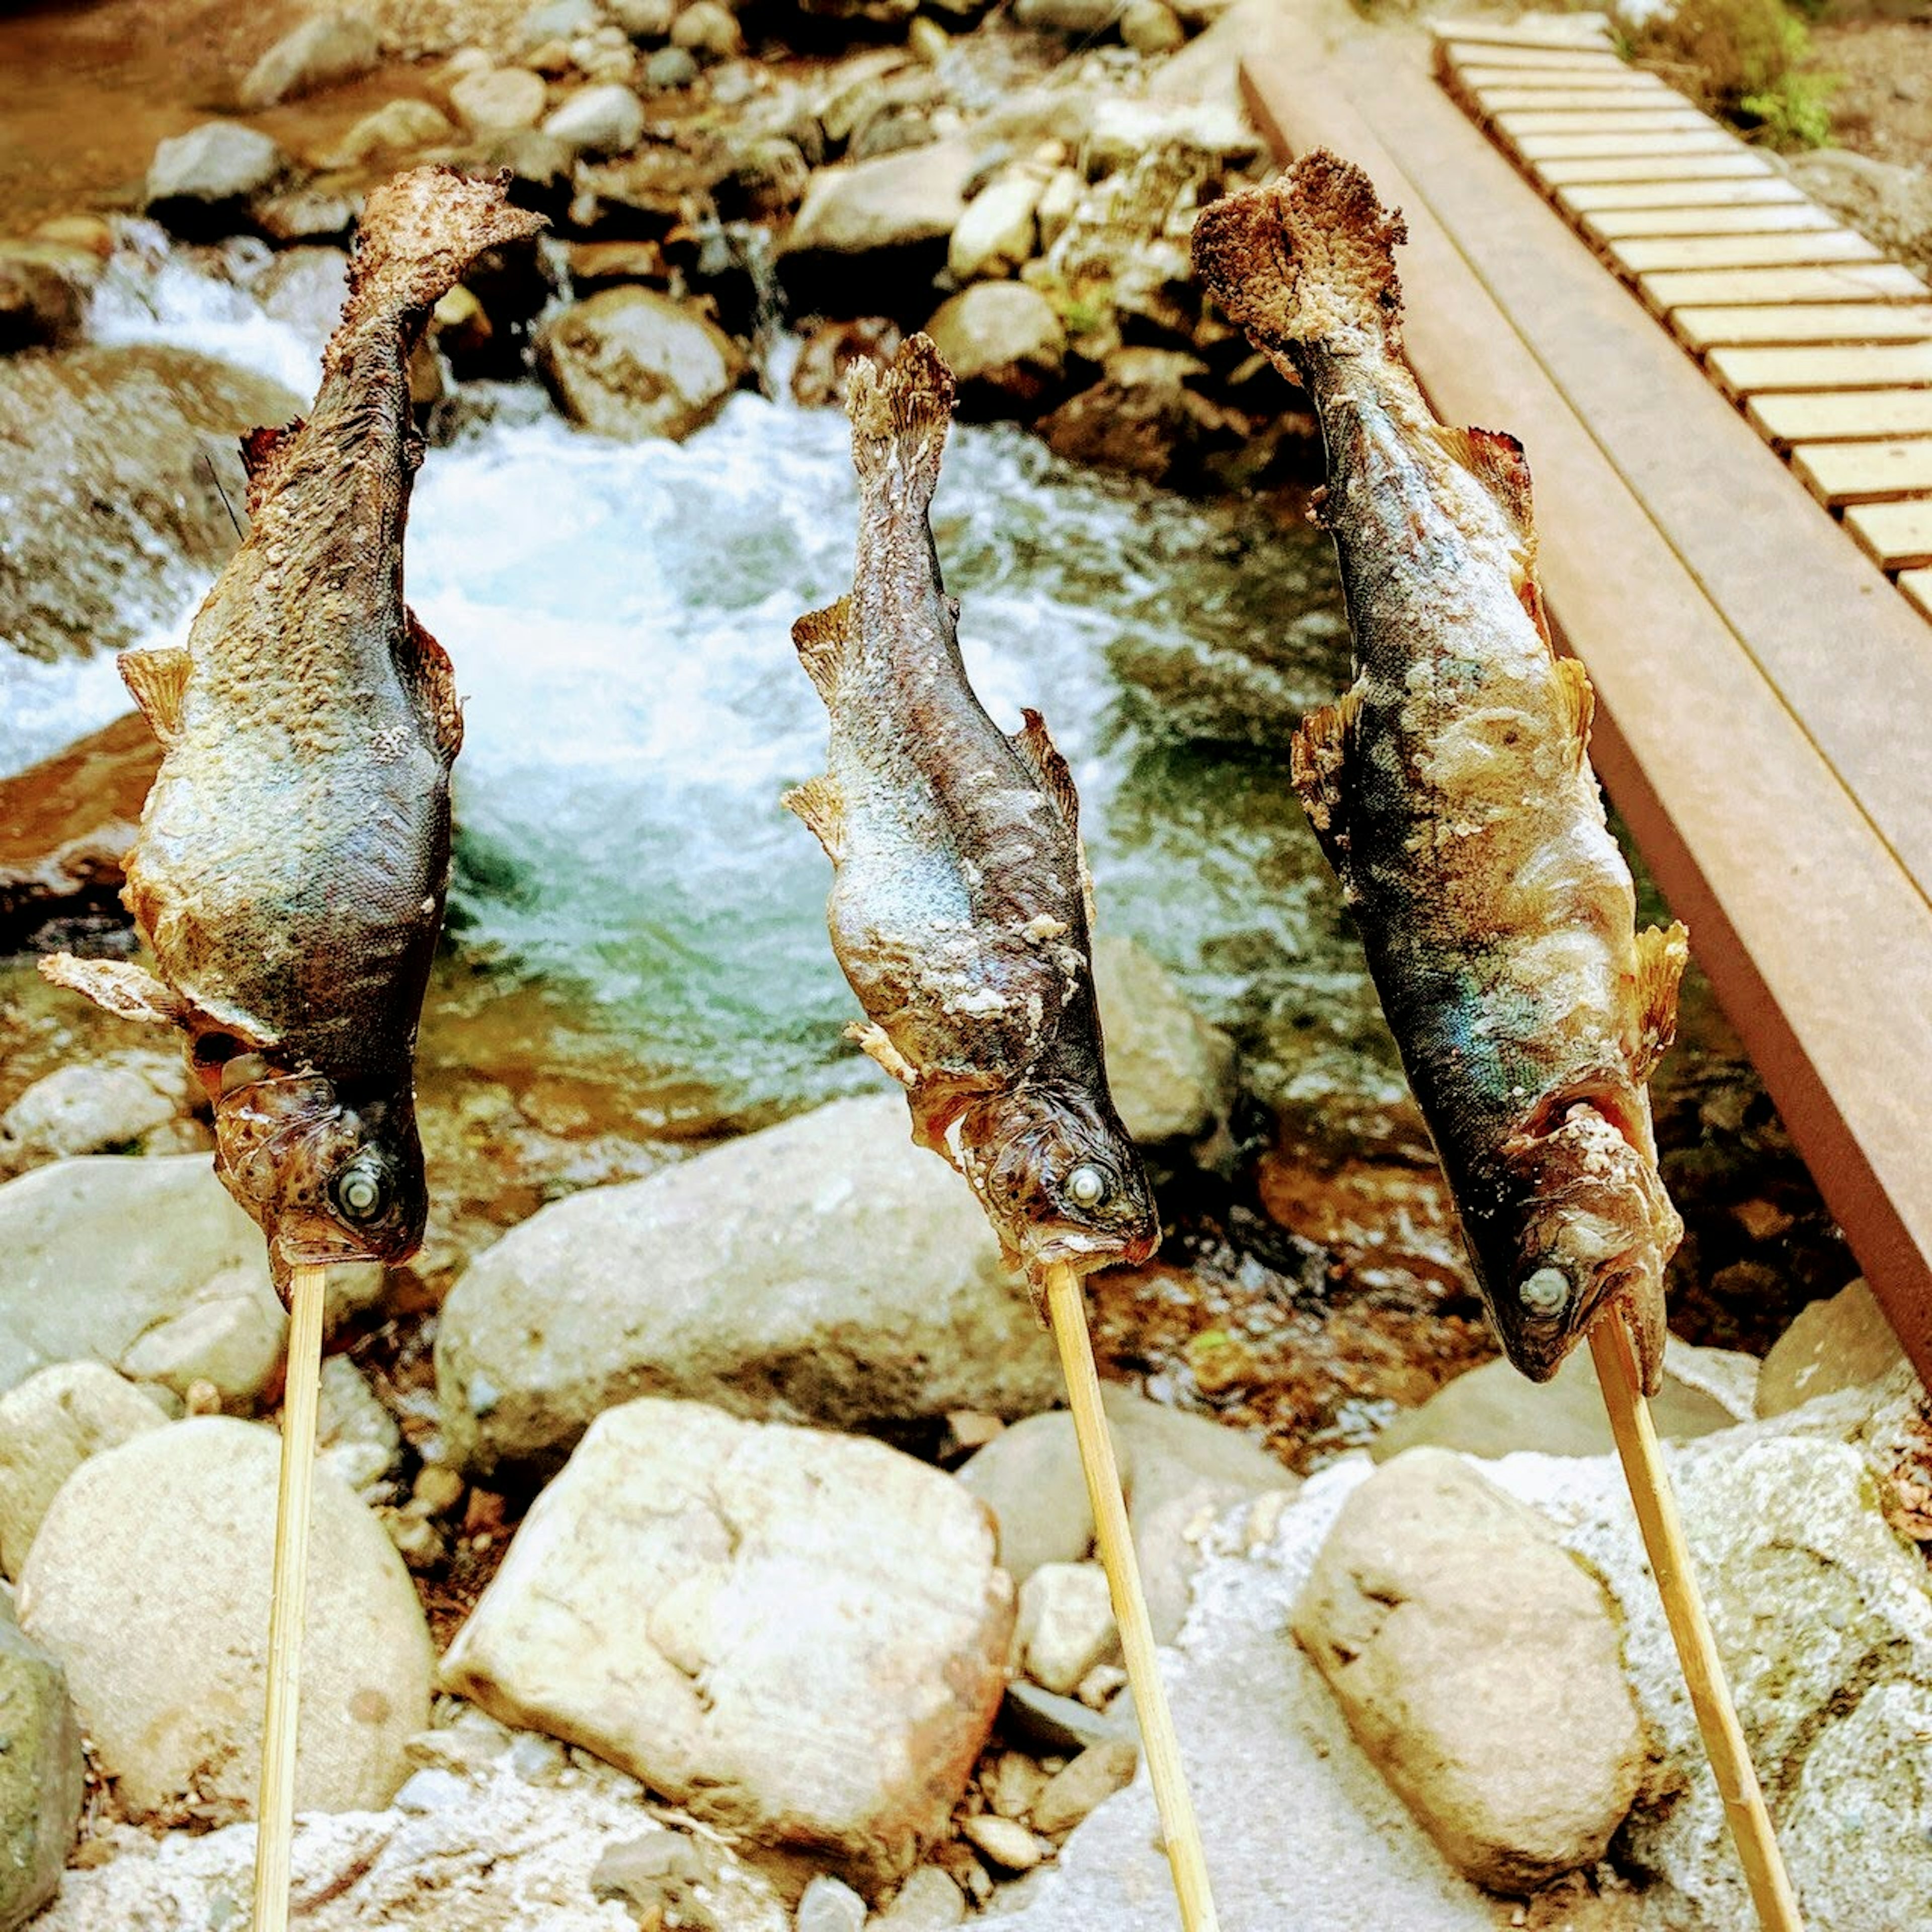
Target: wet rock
115	518
1053	1723
43	1776
882	224
670	67
1066	1624
108	1258
50	1425
1148	417
837	1602
1151	29
1171	1073
1839	1343
646	21
1890	205
1477	1662
200	183
630	362
44	290
997	232
708	32
149	1581
928	1901
92	1107
871	12
1082	1787
829	350
829	1905
323	209
325	50
826	1269
1081	19
1491	1410
1004	345
499	100
398	128
599	122
558	20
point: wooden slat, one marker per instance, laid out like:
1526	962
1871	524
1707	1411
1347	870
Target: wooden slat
1751	372
1579	30
1535	124
1626	147
1740	166
1756	191
1630	224
1800	324
1917	586
1838	473
1645	255
1500	87
1841	415
1714	288
1459	55
1897	536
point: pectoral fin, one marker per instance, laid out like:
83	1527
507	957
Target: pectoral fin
432	682
157	680
1662	954
1580	703
821	638
819	803
129	992
1319	763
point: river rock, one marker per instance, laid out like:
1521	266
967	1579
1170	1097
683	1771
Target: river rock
326	49
1149	417
799	1636
117	1260
823	1270
500	100
1839	1343
1029	1476
1082	19
998	232
150	1582
708	32
1477	1662
882	225
43	1776
398	128
115	521
1066	1624
630	362
1171	1073
200	183
1150	28
599	121
50	1425
1004	345
928	1901
43	291
669	67
829	1905
1492	1410
91	1107
647	21
357	1438
1078	1789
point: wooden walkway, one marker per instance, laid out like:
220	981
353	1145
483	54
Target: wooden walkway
1764	694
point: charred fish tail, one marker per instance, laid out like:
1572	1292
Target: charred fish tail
1306	260
900	416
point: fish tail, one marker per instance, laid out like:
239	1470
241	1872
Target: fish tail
418	235
900	416
1307	261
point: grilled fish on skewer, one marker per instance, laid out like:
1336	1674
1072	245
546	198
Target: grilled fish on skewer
959	907
294	853
1452	792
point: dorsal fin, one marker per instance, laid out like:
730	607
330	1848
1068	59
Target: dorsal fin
431	680
1319	759
1497	457
820	637
818	802
1580	699
157	679
1035	744
1662	954
117	986
260	448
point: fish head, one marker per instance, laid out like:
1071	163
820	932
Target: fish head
326	1179
1580	1221
1059	1179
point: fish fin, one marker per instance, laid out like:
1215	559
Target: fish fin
1496	457
1318	760
1035	744
820	804
1579	701
1308	258
820	637
128	991
156	680
431	680
260	448
899	421
1662	954
418	234
877	1044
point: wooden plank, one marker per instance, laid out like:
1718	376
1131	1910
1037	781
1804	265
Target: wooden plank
1645	255
1917	586
1625	147
1533	87
1842	415
1741	165
1847	282
1896	536
1877	365
1525	124
1625	105
1757	191
1838	473
1608	226
1576	30
1803	323
1459	56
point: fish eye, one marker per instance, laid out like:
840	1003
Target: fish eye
1086	1186
361	1193
1545	1293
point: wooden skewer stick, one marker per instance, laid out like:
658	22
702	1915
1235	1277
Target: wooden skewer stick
1066	1309
1663	1528
275	1809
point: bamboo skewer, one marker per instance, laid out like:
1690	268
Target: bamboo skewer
1657	1515
275	1808
1066	1310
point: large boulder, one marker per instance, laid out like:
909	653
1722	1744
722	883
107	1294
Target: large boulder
1477	1662
323	50
801	1637
824	1271
43	1776
630	362
149	1581
201	183
115	514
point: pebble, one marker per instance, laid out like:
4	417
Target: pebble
928	1901
499	100
1011	1783
708	31
1060	1723
1085	1784
1066	1623
91	1108
1009	1844
438	1488
830	1905
1151	29
599	121
670	67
